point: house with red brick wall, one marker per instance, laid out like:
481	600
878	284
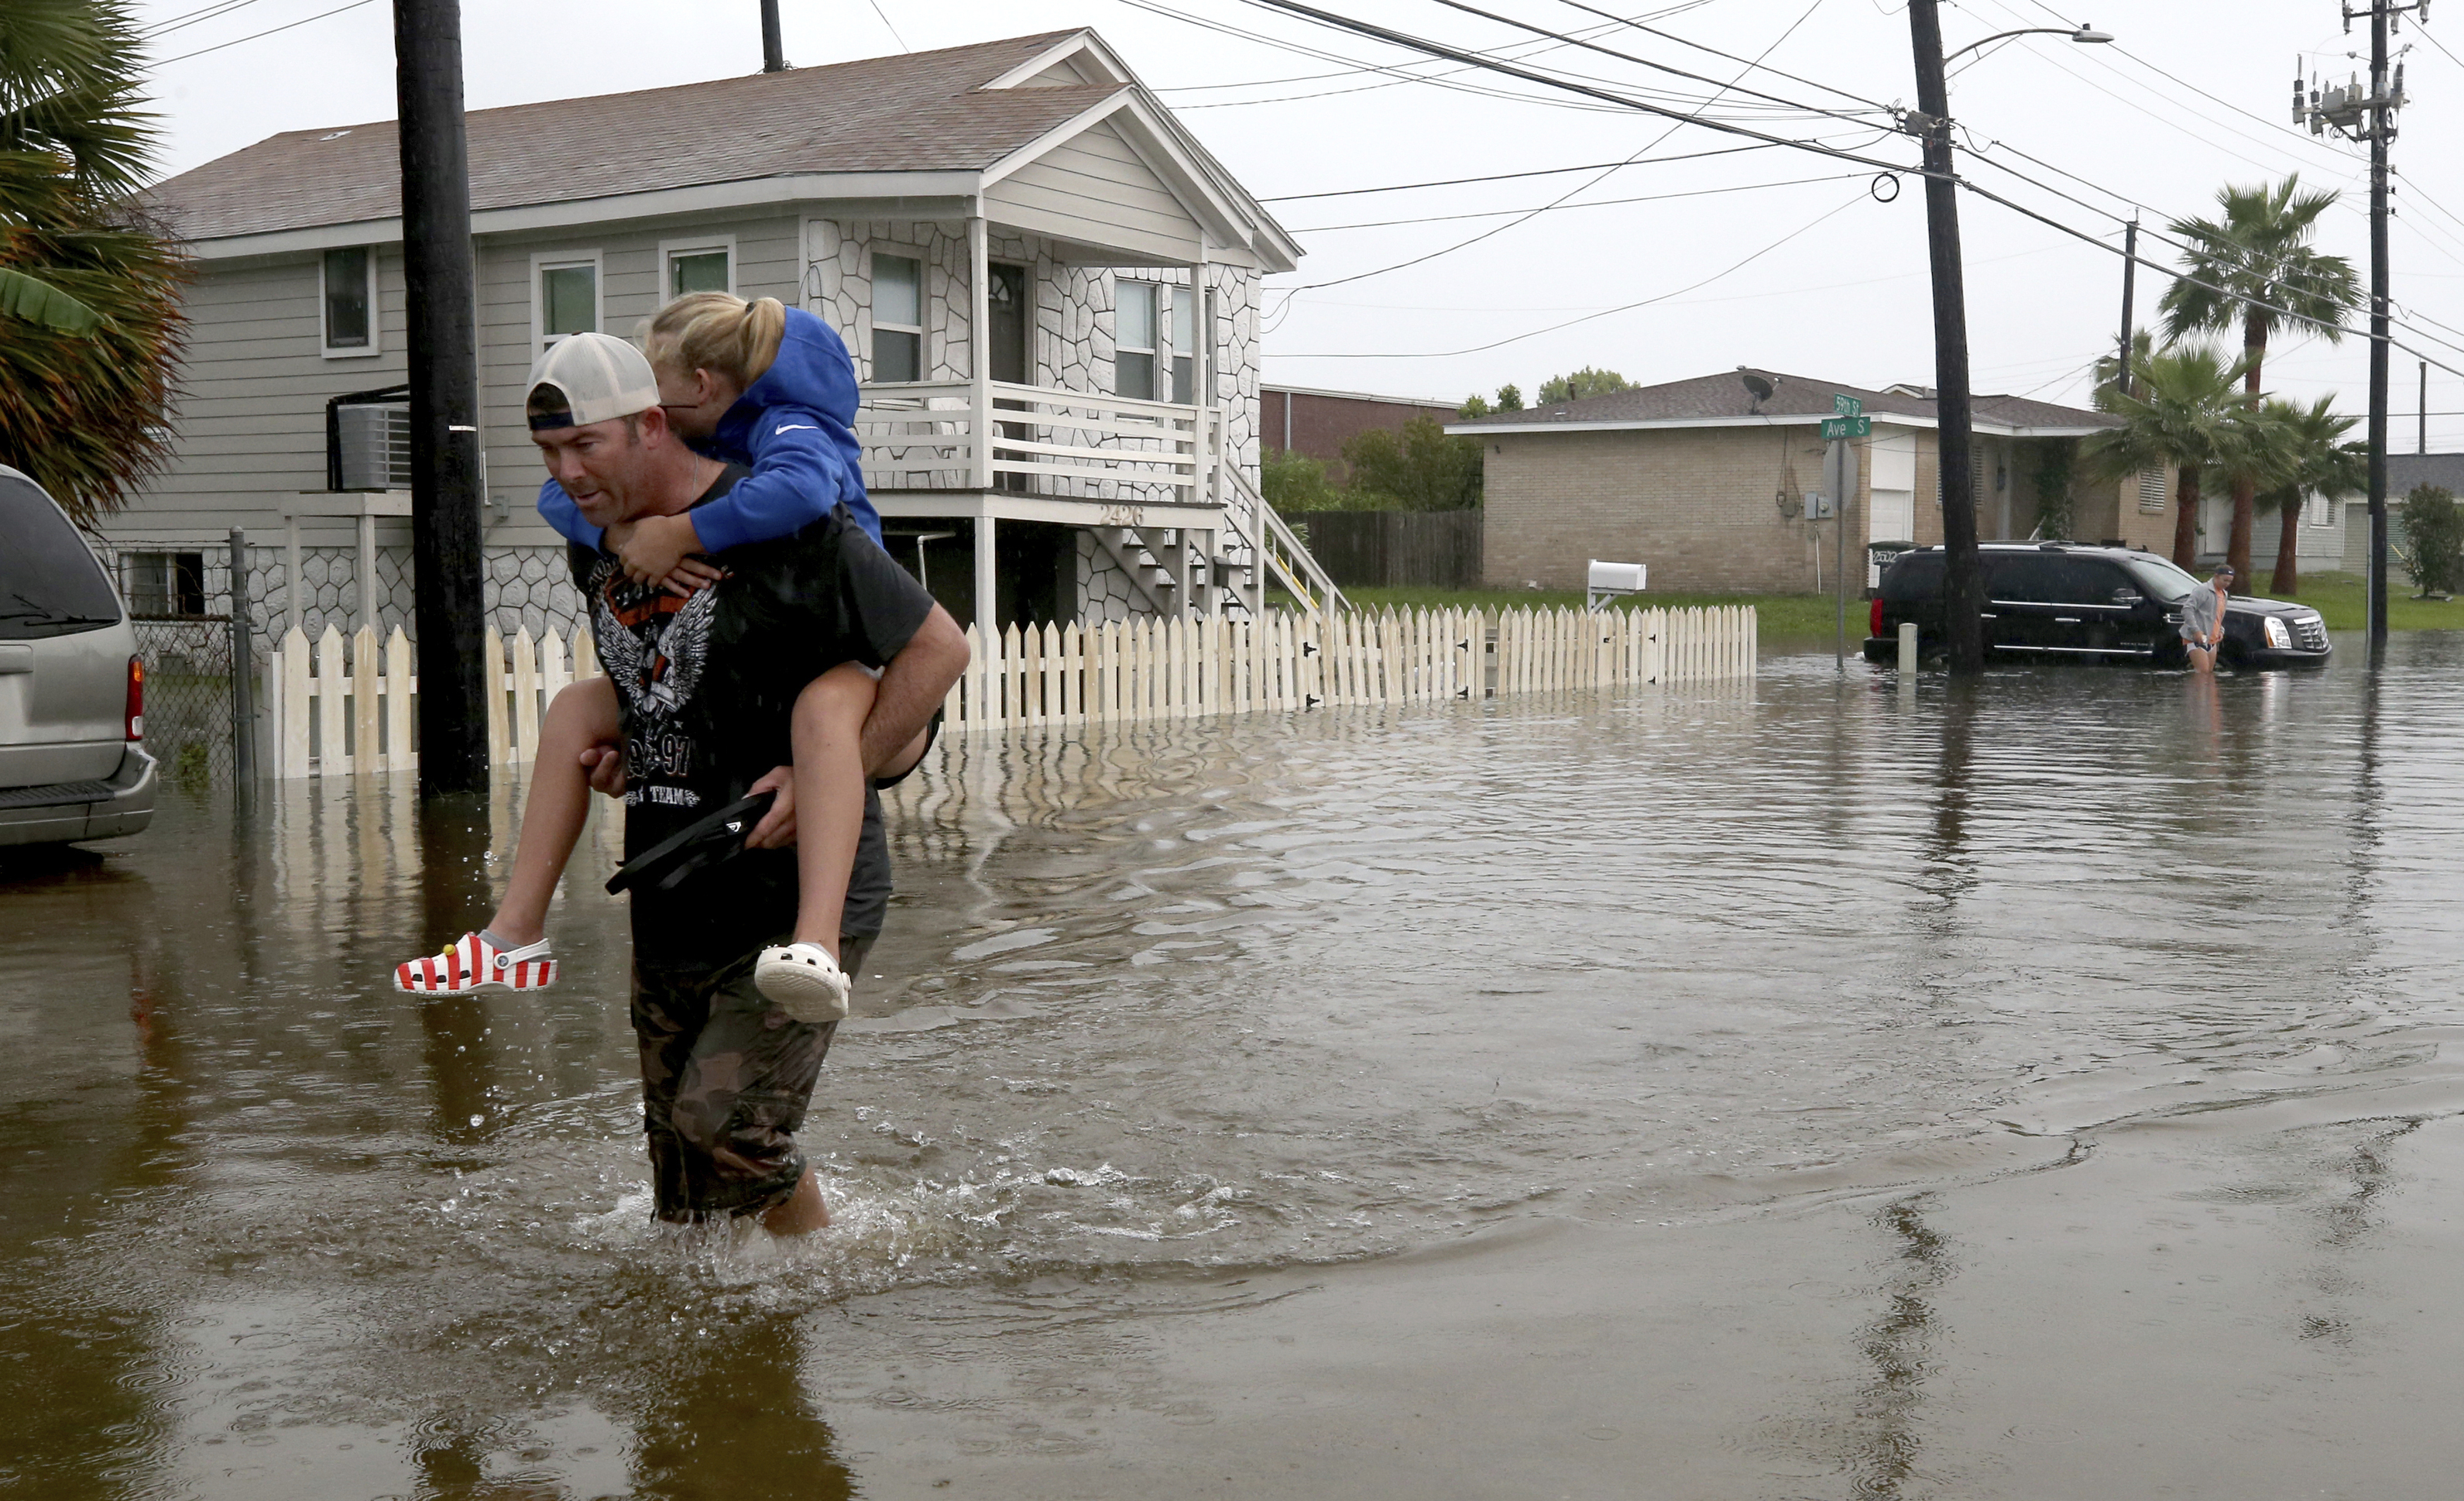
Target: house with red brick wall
1299	419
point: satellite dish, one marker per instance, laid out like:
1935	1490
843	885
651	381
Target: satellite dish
1756	386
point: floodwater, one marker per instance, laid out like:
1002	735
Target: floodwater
1804	1088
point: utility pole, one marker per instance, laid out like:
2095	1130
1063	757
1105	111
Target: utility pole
2382	126
1963	584
444	359
774	50
2129	273
2422	443
2370	116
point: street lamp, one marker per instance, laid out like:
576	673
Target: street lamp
1962	591
2078	33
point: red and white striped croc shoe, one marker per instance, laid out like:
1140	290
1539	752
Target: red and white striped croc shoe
474	963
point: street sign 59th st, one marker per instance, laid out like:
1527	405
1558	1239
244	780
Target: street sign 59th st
1847	407
1837	428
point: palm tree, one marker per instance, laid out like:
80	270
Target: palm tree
90	321
2311	461
2259	253
2180	414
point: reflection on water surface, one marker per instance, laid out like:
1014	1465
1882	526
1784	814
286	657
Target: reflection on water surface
1170	1003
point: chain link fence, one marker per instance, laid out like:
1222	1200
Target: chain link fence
181	600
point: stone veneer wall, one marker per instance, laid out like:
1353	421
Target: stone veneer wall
1072	347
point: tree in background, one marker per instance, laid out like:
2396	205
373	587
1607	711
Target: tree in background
2143	343
2053	509
1473	406
1583	384
2179	415
2259	253
90	322
1419	469
1509	397
1292	482
2429	541
2315	462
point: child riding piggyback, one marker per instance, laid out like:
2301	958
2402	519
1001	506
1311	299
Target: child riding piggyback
756	384
771	388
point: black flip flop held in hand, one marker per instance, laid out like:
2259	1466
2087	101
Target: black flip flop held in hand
704	842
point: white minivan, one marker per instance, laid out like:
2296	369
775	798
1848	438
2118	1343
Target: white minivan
72	762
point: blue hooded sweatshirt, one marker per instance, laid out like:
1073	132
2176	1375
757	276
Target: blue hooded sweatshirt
794	428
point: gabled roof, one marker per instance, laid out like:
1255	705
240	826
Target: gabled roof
956	110
1723	401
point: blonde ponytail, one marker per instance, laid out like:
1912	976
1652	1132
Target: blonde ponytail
719	332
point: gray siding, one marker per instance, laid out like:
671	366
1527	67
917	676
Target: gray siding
766	265
251	421
1093	188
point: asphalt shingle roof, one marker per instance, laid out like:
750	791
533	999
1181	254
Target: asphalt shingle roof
919	112
1723	395
2405	471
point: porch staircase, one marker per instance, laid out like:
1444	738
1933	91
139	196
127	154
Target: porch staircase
1254	547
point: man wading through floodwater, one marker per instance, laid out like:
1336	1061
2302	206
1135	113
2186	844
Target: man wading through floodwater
706	694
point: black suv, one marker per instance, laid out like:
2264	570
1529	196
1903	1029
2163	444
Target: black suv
2064	600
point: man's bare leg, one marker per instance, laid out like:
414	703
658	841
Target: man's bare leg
583	716
802	1213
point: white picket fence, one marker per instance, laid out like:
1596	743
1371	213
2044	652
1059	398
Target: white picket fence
1166	667
352	712
346	708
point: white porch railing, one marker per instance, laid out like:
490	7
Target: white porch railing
1066	445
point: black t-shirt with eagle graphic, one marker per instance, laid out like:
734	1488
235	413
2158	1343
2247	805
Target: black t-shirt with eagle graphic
707	684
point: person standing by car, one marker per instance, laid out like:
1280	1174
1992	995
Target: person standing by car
2203	620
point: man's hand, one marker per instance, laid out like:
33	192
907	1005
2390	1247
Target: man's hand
654	549
776	830
911	687
603	765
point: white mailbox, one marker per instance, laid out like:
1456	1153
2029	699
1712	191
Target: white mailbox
1609	580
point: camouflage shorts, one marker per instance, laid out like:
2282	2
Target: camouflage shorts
725	1078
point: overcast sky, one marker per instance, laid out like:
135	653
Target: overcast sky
1815	279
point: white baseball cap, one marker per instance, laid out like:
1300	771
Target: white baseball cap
599	376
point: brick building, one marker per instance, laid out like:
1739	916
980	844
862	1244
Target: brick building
1320	423
1708	485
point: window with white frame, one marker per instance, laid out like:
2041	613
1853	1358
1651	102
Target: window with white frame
347	321
566	297
1134	341
897	318
1184	345
697	268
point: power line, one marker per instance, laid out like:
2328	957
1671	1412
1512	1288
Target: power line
1629	307
1499	177
1397	38
1438	49
1346	73
1600	203
891	29
1715	52
1732	87
189	18
1206	23
268	31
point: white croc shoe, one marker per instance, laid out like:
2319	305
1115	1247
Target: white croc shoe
474	965
805	982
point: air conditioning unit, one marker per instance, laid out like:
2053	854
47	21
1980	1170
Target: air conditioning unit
374	447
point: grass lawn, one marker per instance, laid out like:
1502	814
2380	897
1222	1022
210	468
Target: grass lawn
2343	603
2337	597
1781	614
